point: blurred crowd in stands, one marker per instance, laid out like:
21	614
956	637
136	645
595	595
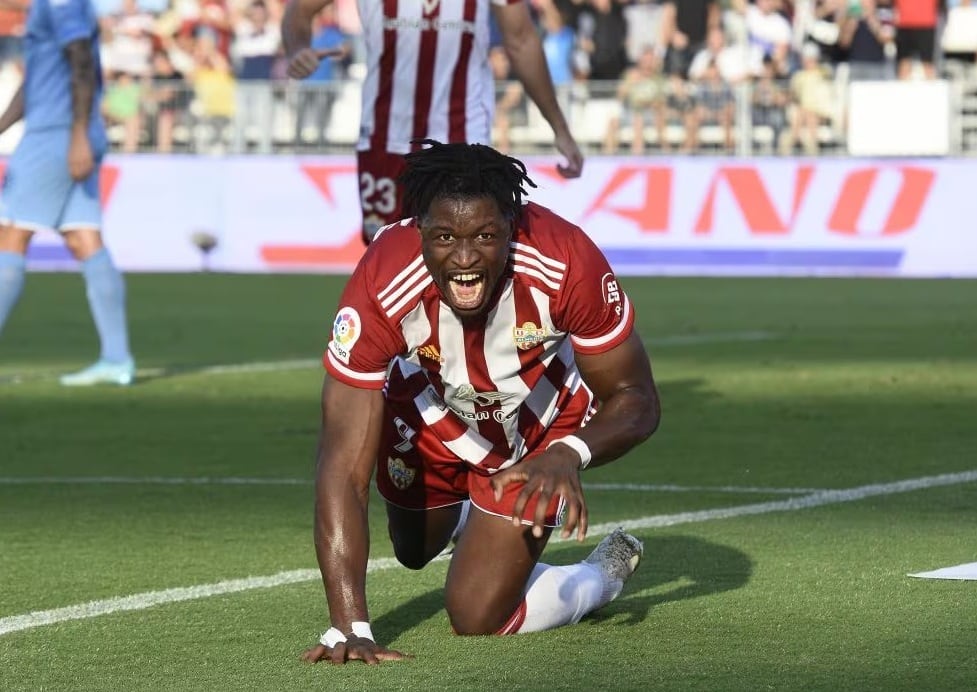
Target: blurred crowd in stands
634	75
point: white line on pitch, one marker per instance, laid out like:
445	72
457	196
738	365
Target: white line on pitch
308	363
670	488
817	499
149	480
204	480
235	368
39	618
711	338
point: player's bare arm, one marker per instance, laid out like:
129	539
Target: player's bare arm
348	442
525	52
81	160
629	412
297	37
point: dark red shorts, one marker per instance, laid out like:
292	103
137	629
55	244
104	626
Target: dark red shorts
407	479
380	197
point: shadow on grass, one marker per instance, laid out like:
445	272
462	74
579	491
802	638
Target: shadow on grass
407	615
674	568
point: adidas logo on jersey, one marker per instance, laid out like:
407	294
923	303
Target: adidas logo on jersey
430	352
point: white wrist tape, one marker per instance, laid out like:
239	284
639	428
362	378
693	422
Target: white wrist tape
334	635
578	446
331	637
362	630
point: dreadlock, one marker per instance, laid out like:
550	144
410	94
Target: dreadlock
462	170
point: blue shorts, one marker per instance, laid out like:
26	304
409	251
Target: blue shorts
38	191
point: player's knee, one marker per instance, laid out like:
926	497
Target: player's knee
14	239
410	553
467	620
83	243
472	616
410	557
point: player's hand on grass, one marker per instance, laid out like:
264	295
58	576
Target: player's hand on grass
306	61
353	649
554	472
81	160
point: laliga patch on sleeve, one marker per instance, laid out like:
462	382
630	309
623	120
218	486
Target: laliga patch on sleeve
345	331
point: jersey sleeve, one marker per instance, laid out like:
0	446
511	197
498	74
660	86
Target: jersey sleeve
72	20
363	341
592	307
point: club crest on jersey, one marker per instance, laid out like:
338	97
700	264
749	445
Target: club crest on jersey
430	352
400	473
528	335
345	331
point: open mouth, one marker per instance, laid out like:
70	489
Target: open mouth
466	290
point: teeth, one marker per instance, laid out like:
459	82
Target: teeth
465	277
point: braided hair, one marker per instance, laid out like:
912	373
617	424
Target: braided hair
462	171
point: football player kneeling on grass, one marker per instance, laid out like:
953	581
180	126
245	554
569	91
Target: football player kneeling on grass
472	346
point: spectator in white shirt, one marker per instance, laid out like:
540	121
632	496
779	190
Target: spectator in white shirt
735	63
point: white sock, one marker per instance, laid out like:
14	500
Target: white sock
560	595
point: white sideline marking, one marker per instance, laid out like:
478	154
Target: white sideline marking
817	499
711	338
231	368
39	618
204	480
304	363
670	488
149	480
141	601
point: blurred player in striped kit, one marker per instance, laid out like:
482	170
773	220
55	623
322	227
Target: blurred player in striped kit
428	76
52	179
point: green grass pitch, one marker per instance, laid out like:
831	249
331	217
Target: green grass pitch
767	385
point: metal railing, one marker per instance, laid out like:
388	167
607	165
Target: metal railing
298	117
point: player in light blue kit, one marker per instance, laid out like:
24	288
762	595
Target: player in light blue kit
52	179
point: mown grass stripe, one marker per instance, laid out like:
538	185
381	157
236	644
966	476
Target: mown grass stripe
17	623
309	363
231	480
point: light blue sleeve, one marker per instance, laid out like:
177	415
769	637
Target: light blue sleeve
72	20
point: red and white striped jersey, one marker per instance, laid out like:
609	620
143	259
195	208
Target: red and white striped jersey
427	72
489	392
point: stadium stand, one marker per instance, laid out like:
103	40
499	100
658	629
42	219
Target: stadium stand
758	46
